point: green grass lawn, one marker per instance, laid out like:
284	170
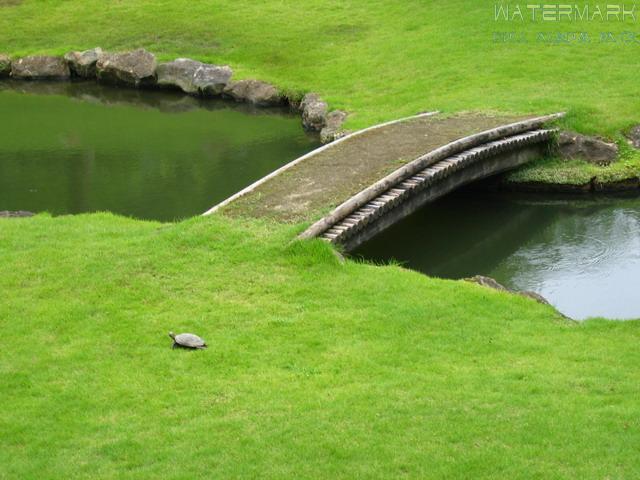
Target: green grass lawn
379	59
316	368
556	171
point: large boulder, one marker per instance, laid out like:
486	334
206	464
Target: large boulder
5	65
534	296
573	145
137	68
40	68
634	136
212	79
256	92
489	282
194	77
314	112
83	64
333	126
178	74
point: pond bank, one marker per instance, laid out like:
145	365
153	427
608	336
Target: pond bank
139	69
593	186
555	175
581	254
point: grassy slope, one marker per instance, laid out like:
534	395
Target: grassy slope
314	371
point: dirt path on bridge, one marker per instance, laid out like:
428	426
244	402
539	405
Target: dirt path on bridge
322	181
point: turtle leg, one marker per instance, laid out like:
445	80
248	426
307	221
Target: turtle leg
175	345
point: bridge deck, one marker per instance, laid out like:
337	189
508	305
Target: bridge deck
331	175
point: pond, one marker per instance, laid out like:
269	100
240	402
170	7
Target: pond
581	254
69	148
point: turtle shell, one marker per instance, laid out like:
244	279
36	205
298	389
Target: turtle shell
190	340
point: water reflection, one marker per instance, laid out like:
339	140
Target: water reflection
582	254
79	147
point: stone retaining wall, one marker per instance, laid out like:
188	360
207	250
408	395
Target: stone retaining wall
139	69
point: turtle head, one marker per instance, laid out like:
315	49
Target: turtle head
172	335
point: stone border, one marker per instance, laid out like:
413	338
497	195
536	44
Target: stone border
16	214
593	186
488	282
139	69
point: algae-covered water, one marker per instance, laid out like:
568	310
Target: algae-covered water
81	147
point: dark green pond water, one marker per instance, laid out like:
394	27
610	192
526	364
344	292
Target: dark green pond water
72	148
583	255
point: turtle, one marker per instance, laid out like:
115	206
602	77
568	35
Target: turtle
187	340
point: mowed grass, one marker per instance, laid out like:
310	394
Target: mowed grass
377	59
316	368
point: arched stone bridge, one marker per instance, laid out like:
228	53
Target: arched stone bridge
379	175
